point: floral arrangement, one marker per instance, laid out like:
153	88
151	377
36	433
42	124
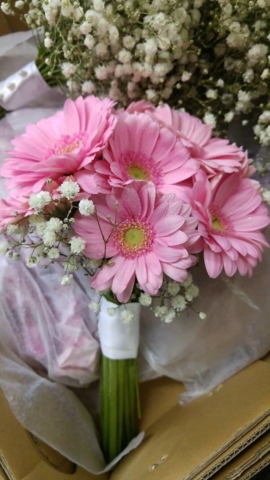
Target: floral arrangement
132	196
211	59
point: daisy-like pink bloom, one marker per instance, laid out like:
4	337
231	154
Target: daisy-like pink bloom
215	155
61	145
13	209
152	236
141	149
231	216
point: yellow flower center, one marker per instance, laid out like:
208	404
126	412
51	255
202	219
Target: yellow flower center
137	172
216	224
133	237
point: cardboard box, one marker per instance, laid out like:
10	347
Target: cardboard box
221	435
10	23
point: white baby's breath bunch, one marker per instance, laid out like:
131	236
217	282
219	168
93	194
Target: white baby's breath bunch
211	58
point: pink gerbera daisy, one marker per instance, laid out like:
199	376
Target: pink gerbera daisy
60	145
141	149
14	209
152	235
231	217
215	155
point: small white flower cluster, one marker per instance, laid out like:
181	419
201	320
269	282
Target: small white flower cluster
48	232
172	299
214	62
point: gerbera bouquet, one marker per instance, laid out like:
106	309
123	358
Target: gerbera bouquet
210	58
133	197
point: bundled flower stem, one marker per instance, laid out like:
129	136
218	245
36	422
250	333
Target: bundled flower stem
120	404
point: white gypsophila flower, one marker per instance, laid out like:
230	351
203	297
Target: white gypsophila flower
191	292
85	28
41	228
48	42
202	315
13	229
86	207
5	7
101	49
220	83
69	189
211	93
3	247
170	316
111	311
160	310
265	195
113	34
66	280
73	86
89	41
32	261
77	245
53	253
150	47
128	42
173	288
151	94
145	299
187	281
101	72
54	224
256	53
210	119
264	117
228	117
98	5
124	56
265	74
49	238
39	200
126	316
68	69
88	87
78	13
94	307
186	76
178	302
19	4
236	40
248	76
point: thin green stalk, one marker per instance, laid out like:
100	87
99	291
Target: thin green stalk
2	112
121	401
113	414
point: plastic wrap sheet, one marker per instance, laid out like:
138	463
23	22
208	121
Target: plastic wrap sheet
236	331
48	326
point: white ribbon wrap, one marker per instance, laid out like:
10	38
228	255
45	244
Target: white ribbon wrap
22	87
119	340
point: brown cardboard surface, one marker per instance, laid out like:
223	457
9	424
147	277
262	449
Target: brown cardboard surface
157	398
10	23
249	474
21	459
257	453
3	475
188	441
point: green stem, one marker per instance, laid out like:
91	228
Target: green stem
119	402
2	112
